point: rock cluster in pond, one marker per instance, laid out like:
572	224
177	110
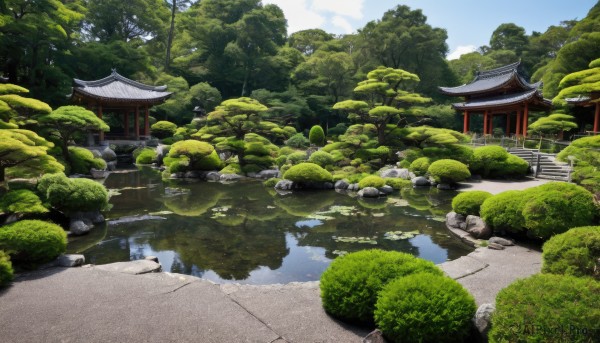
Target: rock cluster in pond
287	185
474	225
82	222
397	173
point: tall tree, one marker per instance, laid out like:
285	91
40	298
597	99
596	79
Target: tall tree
509	36
176	6
309	41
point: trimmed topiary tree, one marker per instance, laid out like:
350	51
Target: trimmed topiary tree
307	172
33	241
547	308
22	201
297	141
575	252
6	270
495	162
469	203
192	155
321	158
82	161
146	156
72	195
163	129
351	283
424	308
316	136
420	166
448	171
371	181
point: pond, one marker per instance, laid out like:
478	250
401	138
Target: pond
247	233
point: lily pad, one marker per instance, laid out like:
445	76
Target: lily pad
360	240
339	252
398	202
399	235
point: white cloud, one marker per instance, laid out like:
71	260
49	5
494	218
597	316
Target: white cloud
298	15
460	50
342	23
345	8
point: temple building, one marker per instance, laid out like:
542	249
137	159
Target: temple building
119	101
502	92
583	106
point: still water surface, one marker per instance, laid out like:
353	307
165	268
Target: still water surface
244	232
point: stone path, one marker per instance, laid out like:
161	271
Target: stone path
498	186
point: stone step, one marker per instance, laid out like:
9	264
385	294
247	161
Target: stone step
553	177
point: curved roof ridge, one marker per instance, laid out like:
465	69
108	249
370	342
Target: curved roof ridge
509	68
114	76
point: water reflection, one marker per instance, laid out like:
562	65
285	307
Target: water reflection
244	232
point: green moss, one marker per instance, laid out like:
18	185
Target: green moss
371	181
6	270
448	171
82	161
307	172
575	252
469	203
397	183
33	241
232	168
424	308
420	166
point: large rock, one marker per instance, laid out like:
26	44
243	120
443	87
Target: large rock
420	181
98	173
501	241
353	187
341	184
284	185
111	166
70	260
213	176
478	228
132	267
454	219
376	336
91	216
369	192
230	177
444	187
482	319
396	173
192	174
78	227
268	174
387	190
109	155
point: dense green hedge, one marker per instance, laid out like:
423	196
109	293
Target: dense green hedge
163	129
82	161
420	166
316	135
503	211
33	241
448	171
307	172
349	286
6	270
371	181
547	308
495	162
469	203
424	308
70	195
575	252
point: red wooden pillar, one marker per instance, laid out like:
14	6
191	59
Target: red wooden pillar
101	136
485	123
146	122
597	119
136	123
519	121
507	124
525	118
126	116
466	122
491	124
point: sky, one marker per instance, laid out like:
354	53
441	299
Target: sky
469	23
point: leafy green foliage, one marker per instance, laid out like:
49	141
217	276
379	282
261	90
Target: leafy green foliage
33	241
554	123
307	172
424	308
21	201
448	171
6	270
82	161
420	166
469	203
351	283
586	155
575	252
495	161
397	183
163	129
297	141
547	308
321	158
371	181
316	135
72	195
504	211
192	155
146	156
271	182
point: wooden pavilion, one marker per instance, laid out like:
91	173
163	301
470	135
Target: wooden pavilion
119	96
587	102
500	92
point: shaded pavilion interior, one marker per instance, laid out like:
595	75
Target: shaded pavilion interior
501	92
585	108
123	99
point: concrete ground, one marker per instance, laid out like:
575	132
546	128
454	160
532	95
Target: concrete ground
498	186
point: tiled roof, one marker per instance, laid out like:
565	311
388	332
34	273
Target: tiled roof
490	80
116	87
502	100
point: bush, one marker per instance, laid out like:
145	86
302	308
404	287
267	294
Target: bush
575	252
233	168
146	156
405	164
547	308
504	211
33	241
307	172
371	181
349	286
192	155
6	271
420	166
321	158
271	182
297	141
296	157
21	201
163	129
83	160
397	183
71	195
494	161
424	308
316	135
469	203
448	171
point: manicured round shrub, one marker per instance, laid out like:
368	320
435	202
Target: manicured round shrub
232	168
82	161
146	156
448	171
494	161
420	166
349	286
297	141
469	203
575	252
547	308
192	155
397	183
316	135
307	172
6	270
71	195
503	211
163	129
296	157
321	158
371	181
33	241
405	164
424	308
21	201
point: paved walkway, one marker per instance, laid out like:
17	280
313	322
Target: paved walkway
498	186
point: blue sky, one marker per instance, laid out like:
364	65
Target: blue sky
469	23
